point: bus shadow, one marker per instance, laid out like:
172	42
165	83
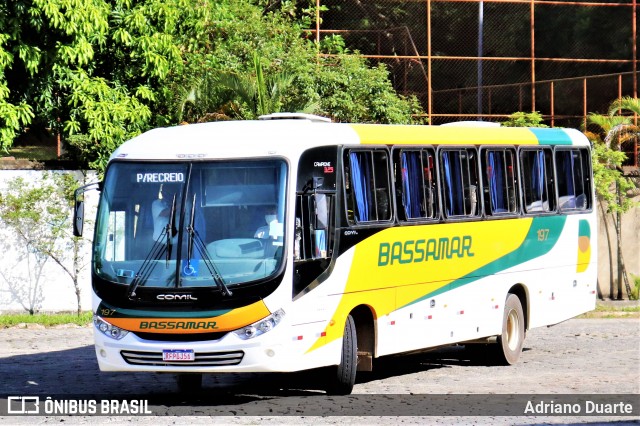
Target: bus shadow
75	372
445	357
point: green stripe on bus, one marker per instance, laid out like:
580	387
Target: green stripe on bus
552	136
543	235
139	313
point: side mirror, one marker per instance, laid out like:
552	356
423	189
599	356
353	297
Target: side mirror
78	208
78	218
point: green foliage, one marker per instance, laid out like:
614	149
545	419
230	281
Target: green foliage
27	209
350	91
333	44
93	66
607	174
99	72
12	119
246	96
635	290
625	104
257	62
107	114
614	130
525	119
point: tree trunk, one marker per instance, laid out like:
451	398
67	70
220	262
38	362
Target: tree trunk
619	242
76	272
606	229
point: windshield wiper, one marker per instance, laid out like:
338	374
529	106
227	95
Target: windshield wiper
171	230
157	250
195	238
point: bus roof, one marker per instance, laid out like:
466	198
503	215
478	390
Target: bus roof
290	137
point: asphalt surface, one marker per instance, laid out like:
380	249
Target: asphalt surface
595	360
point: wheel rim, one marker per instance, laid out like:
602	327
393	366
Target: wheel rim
513	330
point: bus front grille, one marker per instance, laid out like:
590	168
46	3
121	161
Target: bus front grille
202	359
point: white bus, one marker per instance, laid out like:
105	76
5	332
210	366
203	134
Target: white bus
291	243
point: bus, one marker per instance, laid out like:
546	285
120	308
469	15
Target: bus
291	243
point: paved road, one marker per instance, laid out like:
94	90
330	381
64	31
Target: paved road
591	357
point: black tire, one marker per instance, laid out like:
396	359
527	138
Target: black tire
343	377
509	344
189	382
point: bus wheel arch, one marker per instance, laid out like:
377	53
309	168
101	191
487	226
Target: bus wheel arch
523	295
366	336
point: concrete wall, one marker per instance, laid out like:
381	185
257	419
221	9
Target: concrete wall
607	250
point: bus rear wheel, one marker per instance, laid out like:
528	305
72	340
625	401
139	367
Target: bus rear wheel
509	344
343	377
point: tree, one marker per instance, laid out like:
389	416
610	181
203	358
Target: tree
607	166
100	72
258	59
90	67
37	216
245	96
351	91
525	119
23	273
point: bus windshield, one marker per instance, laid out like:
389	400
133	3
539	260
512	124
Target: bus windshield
194	224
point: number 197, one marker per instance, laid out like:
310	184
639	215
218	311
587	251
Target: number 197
543	234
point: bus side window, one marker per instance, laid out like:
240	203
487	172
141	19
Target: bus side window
572	171
537	180
367	186
416	184
460	182
500	192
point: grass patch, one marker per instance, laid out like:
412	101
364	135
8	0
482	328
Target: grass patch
34	153
47	320
605	308
608	311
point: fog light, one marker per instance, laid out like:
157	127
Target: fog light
103	353
270	353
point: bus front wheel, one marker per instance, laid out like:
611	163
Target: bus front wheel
343	377
509	344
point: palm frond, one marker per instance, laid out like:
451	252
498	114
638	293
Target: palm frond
627	104
607	122
621	133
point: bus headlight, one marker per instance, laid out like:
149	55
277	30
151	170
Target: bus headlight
107	329
263	326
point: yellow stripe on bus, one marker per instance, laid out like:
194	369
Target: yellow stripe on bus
421	260
377	134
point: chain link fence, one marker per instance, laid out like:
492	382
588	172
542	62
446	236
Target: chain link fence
485	59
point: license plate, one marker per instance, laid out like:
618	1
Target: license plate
178	355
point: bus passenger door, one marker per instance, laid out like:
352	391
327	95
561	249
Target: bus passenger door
313	237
